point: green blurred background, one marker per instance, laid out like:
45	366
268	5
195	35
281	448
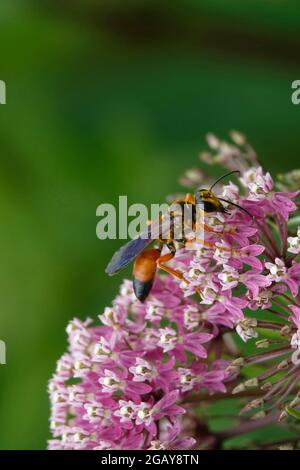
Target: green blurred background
106	98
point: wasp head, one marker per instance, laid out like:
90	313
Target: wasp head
207	201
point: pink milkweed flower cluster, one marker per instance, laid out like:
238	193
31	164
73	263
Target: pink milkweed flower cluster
131	380
131	374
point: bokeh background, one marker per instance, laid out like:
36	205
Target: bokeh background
106	98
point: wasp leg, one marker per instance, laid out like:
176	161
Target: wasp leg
213	246
221	248
209	229
167	257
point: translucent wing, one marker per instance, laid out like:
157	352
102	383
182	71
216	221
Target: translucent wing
129	251
126	254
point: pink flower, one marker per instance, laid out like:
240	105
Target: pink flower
142	370
282	204
170	340
230	278
172	439
257	182
260	187
263	300
255	282
295	317
231	192
226	311
245	329
147	413
196	377
295	339
280	273
294	243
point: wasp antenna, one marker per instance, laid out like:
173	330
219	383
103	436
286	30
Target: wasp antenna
236	205
224	176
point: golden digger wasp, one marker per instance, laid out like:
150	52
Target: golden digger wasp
162	231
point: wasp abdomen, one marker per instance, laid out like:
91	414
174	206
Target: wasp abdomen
143	273
142	289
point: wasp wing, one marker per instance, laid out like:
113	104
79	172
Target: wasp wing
126	254
129	251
